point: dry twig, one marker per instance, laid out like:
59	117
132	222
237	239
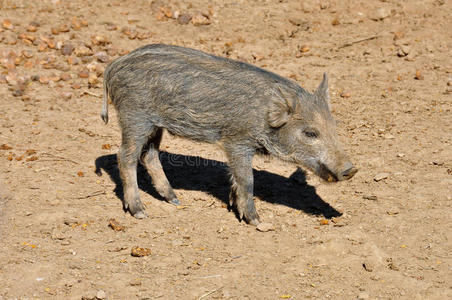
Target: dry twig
209	276
96	193
89	93
359	41
55	158
210	293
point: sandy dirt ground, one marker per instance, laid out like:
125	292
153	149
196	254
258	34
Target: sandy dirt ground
385	234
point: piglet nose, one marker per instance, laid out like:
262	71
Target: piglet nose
349	171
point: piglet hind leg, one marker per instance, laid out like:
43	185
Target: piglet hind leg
150	159
129	152
241	171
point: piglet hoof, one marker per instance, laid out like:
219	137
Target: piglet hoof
137	210
140	215
254	222
174	201
252	218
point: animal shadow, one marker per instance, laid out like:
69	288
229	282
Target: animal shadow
211	176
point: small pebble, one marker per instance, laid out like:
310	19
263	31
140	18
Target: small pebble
380	14
65	76
7	24
381	176
368	266
91	295
303	48
66	95
403	51
184	19
363	295
99	40
335	22
339	221
199	20
177	242
101	295
392	265
93	79
135	282
418	75
159	231
67	49
102	57
345	95
111	27
27	53
83	74
296	21
398	35
32	28
82	51
264	227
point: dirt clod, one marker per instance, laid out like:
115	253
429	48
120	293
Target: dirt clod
5	147
324	222
184	19
115	225
7	24
140	252
381	176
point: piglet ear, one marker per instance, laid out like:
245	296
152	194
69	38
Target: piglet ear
281	106
323	92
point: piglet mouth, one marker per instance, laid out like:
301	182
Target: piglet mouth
325	173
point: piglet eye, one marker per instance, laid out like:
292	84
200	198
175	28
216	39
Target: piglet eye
310	133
